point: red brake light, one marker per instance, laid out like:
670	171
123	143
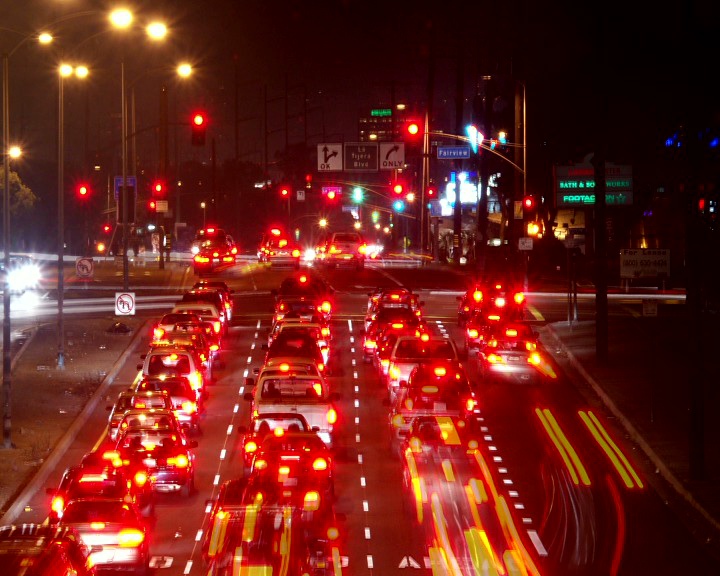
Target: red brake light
440	371
331	416
477	295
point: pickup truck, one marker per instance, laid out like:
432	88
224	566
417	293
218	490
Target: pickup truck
303	394
410	351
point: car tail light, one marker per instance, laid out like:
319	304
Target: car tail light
228	305
321	367
320	464
201	259
195	379
519	297
535	359
394	372
334	250
477	295
230	258
158	333
217	326
470	404
97	526
440	371
296	253
492	343
140	404
530	346
385	363
398	420
424	337
140	478
216	254
130	538
495	359
284	367
58	505
259	464
397	325
331	416
113	457
214	347
500	302
234	250
250	446
493	317
189	407
325	331
180	461
472	333
511	332
325	307
370	344
311	501
362	249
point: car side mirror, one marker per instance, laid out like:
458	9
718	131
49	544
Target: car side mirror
248	396
249	382
242	429
139	366
335	396
256	370
265	347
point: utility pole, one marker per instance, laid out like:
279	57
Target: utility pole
482	201
459	101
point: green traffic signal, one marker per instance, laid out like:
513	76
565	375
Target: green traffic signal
358	195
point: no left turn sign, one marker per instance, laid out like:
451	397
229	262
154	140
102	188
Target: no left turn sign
124	303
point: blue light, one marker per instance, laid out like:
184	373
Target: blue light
669	142
399	206
714	142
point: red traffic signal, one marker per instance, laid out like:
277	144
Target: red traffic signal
152	206
199	126
412	129
158	188
398	189
285	191
106	228
83	191
529	203
431	192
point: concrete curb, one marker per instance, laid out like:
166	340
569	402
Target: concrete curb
662	468
51	462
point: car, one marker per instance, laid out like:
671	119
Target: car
214	296
504	299
292	344
129	399
511	353
44	550
433	388
212	248
217	285
98	475
174	361
207	312
306	395
262	425
23	273
184	401
169	322
343	248
391	298
409	351
164	451
292	458
278	249
114	531
399	319
320	332
194	341
309	287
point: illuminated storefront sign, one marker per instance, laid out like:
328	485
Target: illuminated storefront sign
575	185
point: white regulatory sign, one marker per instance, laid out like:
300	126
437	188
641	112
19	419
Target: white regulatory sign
525	243
124	303
84	268
330	157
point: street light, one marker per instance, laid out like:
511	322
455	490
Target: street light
203	206
64	71
122	19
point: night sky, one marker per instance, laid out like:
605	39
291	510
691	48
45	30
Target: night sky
650	65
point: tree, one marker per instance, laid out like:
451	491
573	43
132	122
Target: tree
22	199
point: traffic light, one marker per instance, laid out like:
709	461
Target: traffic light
358	195
106	228
199	127
284	191
152	207
83	191
398	189
431	192
308	181
413	132
158	189
399	206
529	206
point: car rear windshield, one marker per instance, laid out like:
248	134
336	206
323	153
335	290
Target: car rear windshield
416	348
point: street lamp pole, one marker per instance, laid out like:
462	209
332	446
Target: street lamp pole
123	191
61	226
7	402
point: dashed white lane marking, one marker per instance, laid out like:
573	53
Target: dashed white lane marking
188	567
370	562
229	429
216	480
367	533
252	346
357	420
357	403
236	408
249	359
360	458
198	535
365	506
537	542
362	481
223	453
357	438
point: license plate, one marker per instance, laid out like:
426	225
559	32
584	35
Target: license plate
150	462
513	358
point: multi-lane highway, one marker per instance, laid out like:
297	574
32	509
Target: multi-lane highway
553	489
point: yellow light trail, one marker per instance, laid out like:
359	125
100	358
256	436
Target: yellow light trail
567	452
